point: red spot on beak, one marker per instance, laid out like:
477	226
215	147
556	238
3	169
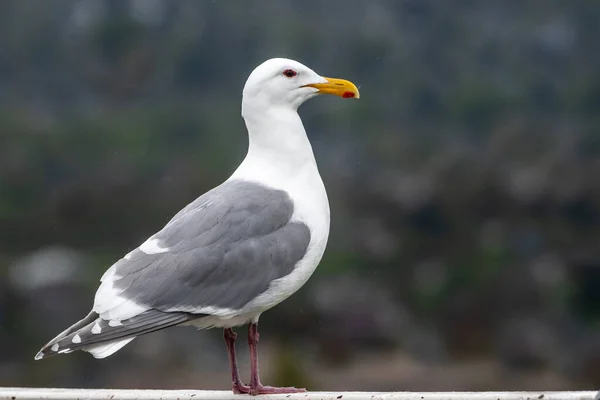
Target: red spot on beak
348	95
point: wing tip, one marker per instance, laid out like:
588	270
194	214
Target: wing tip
89	334
51	349
45	352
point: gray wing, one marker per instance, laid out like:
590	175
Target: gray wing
222	251
92	330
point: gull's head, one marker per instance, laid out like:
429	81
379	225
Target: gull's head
281	82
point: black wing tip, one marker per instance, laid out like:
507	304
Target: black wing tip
80	336
51	349
44	352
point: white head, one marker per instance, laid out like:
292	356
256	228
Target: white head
278	147
281	82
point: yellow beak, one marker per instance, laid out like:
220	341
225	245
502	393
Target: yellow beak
339	87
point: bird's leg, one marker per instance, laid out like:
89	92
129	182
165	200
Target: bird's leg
255	386
237	386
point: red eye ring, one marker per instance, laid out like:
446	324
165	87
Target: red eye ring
289	73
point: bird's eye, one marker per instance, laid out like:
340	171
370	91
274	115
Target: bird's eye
290	73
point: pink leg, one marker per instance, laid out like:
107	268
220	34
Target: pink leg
255	386
237	386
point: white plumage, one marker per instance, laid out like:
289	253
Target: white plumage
279	165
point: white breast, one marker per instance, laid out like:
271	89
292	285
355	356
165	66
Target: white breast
311	207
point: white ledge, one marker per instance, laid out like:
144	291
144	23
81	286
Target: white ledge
110	394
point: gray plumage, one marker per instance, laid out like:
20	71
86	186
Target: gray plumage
224	250
146	322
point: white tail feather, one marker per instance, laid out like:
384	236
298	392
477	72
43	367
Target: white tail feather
106	349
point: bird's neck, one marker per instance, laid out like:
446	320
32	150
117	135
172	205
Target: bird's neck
278	146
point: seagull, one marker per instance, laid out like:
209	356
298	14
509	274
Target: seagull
237	250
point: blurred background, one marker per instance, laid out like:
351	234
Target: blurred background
464	185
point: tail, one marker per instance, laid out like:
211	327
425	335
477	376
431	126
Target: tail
102	338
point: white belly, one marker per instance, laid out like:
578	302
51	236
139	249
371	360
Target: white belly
311	207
